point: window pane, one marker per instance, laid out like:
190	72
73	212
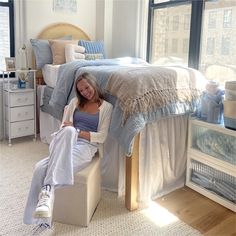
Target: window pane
160	1
218	50
4	36
170	37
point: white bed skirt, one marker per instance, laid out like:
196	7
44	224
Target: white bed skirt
162	157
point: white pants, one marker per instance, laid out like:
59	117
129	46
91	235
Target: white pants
67	155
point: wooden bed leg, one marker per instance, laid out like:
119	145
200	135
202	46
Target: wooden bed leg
132	175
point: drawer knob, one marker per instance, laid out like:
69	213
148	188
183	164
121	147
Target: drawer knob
19	114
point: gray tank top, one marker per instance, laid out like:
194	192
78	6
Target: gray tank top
85	121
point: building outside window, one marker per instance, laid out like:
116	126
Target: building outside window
164	46
208	45
220	65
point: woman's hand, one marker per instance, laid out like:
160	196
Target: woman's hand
67	123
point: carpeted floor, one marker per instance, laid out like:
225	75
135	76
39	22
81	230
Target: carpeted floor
110	218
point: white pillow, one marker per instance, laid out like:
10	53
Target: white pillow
50	74
74	52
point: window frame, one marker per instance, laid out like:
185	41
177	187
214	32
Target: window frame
10	5
195	27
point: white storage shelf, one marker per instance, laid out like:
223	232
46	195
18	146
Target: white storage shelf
19	106
211	162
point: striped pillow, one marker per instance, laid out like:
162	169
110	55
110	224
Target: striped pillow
93	56
93	47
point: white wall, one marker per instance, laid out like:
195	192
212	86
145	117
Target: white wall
119	23
124	28
114	21
32	16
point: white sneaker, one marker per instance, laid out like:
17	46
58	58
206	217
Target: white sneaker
45	203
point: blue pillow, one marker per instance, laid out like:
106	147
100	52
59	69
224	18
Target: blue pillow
93	47
43	52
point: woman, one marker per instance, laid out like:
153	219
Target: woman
85	124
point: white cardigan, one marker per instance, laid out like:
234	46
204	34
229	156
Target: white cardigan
105	111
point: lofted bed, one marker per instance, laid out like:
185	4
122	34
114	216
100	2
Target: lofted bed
145	152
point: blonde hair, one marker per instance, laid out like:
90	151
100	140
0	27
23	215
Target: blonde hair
92	81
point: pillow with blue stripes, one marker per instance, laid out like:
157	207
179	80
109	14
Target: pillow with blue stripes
93	47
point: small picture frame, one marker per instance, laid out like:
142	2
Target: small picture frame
10	63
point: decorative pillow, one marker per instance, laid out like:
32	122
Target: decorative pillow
74	52
93	56
58	50
42	51
92	47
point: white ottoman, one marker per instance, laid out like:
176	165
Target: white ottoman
76	204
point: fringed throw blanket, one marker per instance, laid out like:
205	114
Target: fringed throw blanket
140	93
142	89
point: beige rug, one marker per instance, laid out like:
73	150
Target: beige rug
110	218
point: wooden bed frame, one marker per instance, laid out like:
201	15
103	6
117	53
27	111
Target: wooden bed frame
59	30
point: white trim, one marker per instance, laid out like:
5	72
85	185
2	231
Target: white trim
108	23
142	26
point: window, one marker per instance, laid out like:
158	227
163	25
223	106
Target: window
187	21
218	56
174	46
225	46
166	46
227	18
167	23
165	40
204	35
175	23
212	20
185	45
210	46
7	31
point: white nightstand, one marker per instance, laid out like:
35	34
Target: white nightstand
211	162
19	105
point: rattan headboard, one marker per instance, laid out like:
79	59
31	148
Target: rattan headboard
59	30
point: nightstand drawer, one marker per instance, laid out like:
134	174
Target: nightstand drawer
19	99
20	113
22	128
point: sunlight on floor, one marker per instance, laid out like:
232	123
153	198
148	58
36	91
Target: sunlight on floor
159	215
